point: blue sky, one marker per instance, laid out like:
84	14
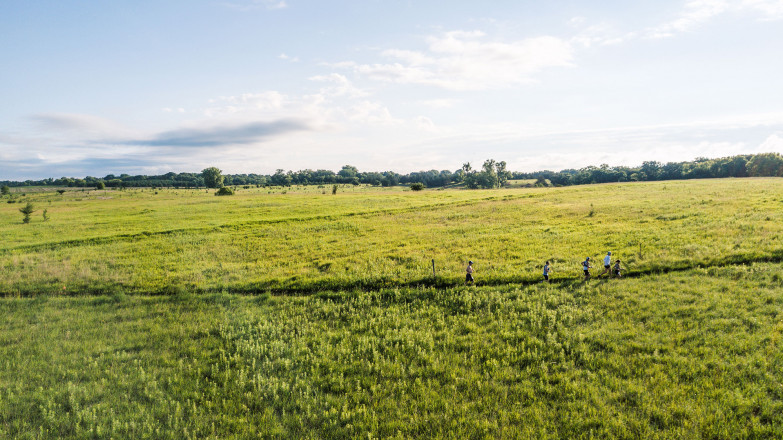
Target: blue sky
249	86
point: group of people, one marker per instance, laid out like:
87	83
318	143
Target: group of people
608	269
607	266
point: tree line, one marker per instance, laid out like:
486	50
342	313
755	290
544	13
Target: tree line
746	165
491	174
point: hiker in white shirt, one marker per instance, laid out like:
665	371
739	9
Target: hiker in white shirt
469	273
607	263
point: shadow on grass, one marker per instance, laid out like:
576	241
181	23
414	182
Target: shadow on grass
326	287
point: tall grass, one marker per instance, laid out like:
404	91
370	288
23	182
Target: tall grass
691	354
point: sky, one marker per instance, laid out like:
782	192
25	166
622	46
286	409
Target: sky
250	86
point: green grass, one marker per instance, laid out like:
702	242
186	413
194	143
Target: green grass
692	354
126	315
305	241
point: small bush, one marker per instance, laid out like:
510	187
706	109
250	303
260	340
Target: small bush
418	186
224	191
27	211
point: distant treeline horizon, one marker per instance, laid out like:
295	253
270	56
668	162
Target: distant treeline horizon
492	174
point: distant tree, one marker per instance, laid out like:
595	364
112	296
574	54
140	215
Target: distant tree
5	190
213	177
487	178
671	171
334	189
224	191
765	164
100	185
651	169
281	178
502	173
418	186
348	172
541	181
28	210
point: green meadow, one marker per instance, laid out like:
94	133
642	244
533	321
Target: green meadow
302	240
296	313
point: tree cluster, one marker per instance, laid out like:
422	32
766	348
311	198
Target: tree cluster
491	175
758	165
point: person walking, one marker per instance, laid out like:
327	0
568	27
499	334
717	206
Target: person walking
607	263
617	269
547	269
586	267
469	274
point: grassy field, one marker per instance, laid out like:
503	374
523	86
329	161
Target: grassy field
348	335
286	241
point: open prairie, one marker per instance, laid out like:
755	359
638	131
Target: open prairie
301	240
295	313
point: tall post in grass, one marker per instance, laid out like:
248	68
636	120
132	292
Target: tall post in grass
433	268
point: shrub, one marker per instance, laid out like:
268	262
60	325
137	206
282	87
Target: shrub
100	185
418	186
334	189
5	190
60	191
27	211
224	191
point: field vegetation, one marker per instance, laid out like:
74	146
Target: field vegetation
306	240
299	313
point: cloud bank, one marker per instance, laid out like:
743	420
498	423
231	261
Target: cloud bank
254	132
468	60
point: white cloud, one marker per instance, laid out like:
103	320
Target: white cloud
576	21
601	35
439	103
694	13
283	56
772	9
461	60
773	144
698	12
341	86
425	123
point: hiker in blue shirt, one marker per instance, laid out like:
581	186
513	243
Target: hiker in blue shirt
547	269
586	267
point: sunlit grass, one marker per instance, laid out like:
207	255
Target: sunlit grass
142	242
693	354
346	333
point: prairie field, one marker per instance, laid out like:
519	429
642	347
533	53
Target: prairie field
296	313
302	240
